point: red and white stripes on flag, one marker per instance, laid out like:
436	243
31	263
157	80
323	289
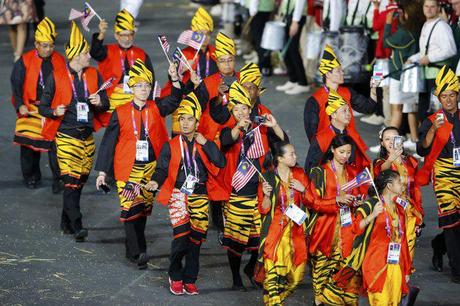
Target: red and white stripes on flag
106	84
164	43
364	177
256	150
131	191
192	39
243	174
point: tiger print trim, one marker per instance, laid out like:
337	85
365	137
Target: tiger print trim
446	179
28	131
119	98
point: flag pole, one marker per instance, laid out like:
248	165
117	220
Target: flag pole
185	59
201	44
91	8
164	51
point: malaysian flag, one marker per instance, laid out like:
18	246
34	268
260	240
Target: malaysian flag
364	177
192	39
106	84
256	150
164	43
156	90
85	16
131	191
243	174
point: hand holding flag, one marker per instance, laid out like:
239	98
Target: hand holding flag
364	177
85	16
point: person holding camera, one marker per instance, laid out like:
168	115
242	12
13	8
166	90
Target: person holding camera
340	116
439	142
69	102
332	236
131	146
392	156
244	145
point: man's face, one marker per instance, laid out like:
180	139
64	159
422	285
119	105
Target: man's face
342	115
456	6
448	100
141	90
44	49
82	59
226	64
187	124
430	9
336	75
253	91
125	38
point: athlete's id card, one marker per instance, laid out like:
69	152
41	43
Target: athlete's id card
296	214
403	203
189	185
126	88
345	216
142	150
82	112
394	250
456	157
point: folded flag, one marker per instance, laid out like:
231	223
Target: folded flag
131	191
364	177
85	16
243	174
192	39
256	150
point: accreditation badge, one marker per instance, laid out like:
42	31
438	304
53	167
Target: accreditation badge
296	214
142	150
189	185
345	216
394	251
82	112
456	156
126	88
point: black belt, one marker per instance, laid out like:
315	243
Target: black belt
81	133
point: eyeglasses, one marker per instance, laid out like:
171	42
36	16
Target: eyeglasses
226	61
142	86
46	45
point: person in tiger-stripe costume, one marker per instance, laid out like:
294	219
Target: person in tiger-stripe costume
27	81
115	60
439	142
243	151
184	166
332	236
131	145
283	248
69	102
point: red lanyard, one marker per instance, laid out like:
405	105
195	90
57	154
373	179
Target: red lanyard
146	125
122	60
73	86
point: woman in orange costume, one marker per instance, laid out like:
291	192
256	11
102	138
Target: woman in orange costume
283	248
332	236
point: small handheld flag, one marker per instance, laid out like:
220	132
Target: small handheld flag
364	177
256	149
243	174
156	90
106	84
85	16
131	191
192	39
164	46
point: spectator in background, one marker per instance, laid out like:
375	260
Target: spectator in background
437	46
456	31
403	43
294	16
17	14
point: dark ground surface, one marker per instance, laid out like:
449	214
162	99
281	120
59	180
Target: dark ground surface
40	266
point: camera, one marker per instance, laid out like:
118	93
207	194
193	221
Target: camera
397	142
260	119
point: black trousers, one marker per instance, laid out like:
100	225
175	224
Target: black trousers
181	248
217	215
135	237
30	163
452	237
424	100
257	29
71	215
292	59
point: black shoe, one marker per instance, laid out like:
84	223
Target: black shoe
455	279
240	288
57	186
66	229
31	184
250	275
437	261
81	235
412	296
142	261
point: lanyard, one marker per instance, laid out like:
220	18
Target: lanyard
146	125
334	169
198	69
41	80
73	86
387	221
452	138
187	158
122	60
283	193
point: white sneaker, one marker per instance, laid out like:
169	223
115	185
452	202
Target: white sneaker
375	149
357	114
250	55
298	89
286	86
279	71
410	145
373	119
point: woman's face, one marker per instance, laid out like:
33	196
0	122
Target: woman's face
342	154
240	111
387	141
289	158
396	186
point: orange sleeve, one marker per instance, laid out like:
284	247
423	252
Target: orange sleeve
260	199
325	205
355	227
